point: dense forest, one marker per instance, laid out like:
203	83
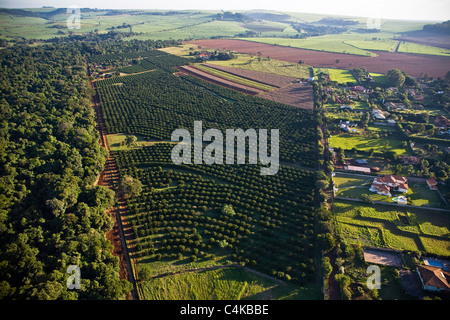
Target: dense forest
52	214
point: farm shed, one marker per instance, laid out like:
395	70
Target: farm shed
357	169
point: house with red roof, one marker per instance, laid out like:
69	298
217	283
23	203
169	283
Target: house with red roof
434	278
383	185
432	184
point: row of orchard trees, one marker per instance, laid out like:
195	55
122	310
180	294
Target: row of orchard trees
156	103
268	222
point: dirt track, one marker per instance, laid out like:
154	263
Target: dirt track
413	64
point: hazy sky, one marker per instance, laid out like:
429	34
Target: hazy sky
390	9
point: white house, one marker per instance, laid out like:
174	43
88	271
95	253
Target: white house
378	114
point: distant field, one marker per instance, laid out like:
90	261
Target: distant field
415	65
329	43
376	225
348	142
250	62
274	66
235	78
196	30
410	47
369	44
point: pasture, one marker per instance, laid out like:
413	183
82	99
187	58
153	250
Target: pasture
223	283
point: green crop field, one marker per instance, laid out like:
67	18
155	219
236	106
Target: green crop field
410	47
329	43
377	225
370	44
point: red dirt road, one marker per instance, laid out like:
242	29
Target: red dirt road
413	64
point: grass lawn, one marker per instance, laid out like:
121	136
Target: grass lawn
341	76
380	78
378	225
229	283
344	181
362	143
114	141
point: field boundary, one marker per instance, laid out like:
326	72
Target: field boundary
107	178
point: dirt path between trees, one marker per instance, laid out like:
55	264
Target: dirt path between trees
109	178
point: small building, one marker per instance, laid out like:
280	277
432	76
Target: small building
361	161
391	122
390	105
378	114
358	88
434	278
441	121
405	159
356	169
432	184
400	200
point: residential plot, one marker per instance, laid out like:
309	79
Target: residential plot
383	226
341	76
365	143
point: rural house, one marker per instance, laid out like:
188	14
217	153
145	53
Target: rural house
378	114
432	184
358	88
434	278
381	189
383	185
441	121
409	159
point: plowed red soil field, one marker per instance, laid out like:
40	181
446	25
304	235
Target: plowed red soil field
413	64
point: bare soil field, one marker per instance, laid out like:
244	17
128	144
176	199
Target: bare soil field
296	94
383	257
413	64
262	77
212	78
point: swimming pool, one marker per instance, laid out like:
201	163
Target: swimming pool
436	263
